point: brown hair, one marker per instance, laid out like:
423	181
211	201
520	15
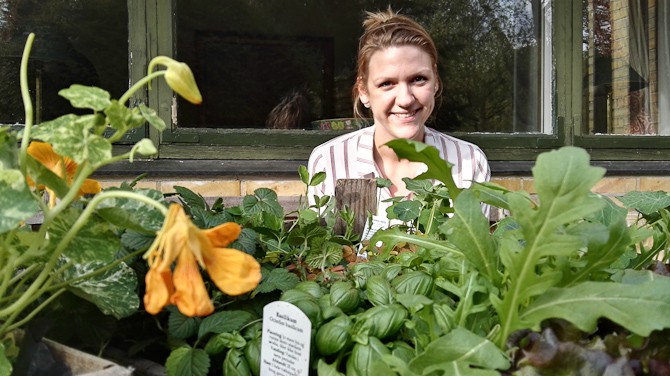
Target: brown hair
290	113
386	29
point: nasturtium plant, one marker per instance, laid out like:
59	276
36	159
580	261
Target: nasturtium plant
81	239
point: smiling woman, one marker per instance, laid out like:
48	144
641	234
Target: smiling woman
397	85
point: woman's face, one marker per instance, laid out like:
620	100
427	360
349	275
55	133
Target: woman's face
400	90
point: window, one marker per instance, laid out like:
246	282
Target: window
251	57
626	64
521	76
70	47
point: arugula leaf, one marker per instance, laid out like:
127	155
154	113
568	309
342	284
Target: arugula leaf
395	235
462	347
625	304
563	179
468	230
601	255
438	168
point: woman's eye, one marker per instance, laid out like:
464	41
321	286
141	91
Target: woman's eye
420	79
385	84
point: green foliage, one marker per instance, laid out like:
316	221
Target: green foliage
276	279
186	361
445	293
457	297
79	246
621	303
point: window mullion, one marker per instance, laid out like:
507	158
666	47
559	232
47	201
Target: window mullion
158	40
567	45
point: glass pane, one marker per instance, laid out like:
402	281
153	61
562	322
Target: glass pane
624	50
250	57
82	42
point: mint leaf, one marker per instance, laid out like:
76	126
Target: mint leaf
181	326
225	321
186	361
276	279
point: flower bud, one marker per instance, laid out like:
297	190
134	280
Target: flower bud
179	77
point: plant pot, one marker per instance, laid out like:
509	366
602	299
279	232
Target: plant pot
340	124
55	358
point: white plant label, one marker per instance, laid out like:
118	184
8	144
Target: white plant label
285	346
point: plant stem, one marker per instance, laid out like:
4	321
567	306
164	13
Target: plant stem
9	326
124	98
27	105
22	278
85	170
5	253
33	291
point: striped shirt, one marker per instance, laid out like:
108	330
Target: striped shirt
350	156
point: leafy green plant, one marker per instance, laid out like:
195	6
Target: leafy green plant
462	297
292	247
559	254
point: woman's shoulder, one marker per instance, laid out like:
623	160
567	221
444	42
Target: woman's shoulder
352	138
439	138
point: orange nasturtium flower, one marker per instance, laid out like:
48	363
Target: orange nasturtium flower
233	272
64	167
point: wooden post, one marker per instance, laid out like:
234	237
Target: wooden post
359	196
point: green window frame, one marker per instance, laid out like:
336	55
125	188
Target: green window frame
151	30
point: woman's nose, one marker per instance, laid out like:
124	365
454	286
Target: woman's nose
405	96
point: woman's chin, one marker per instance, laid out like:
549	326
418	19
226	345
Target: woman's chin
411	131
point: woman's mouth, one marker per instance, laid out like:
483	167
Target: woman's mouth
405	115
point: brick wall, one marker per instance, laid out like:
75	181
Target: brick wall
290	189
